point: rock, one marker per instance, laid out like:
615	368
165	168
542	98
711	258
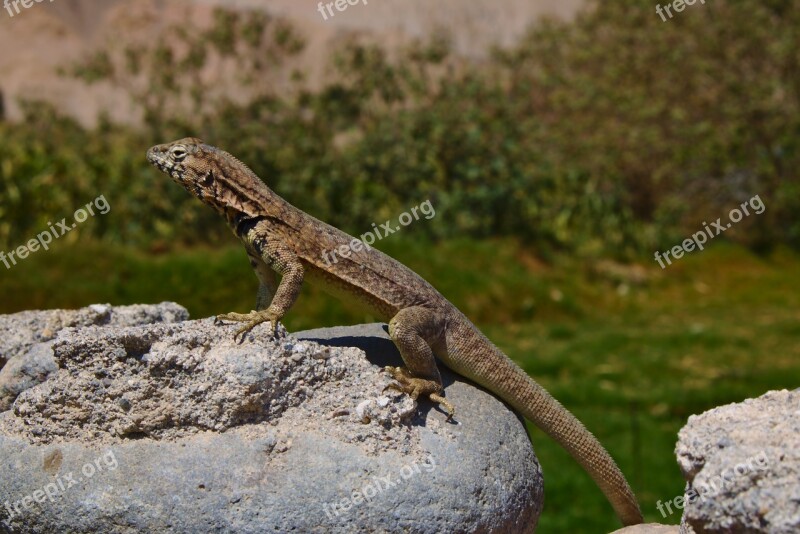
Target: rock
649	528
25	371
742	466
178	428
26	338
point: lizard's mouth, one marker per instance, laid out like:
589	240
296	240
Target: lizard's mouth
160	161
157	158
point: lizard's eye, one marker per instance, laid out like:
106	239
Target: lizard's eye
178	153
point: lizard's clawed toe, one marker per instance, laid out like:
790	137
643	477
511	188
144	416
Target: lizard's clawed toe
414	387
444	403
395	386
251	320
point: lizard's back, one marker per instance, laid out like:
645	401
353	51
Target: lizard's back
380	283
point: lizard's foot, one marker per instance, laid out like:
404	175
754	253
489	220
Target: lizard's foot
251	320
414	387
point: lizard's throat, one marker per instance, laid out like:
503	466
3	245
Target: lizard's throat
241	223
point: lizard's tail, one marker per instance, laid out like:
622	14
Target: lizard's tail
537	405
501	375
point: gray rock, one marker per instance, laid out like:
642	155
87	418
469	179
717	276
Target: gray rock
177	428
25	371
26	338
742	466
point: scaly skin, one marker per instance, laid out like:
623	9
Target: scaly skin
280	238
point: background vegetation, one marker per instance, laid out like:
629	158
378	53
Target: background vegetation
609	136
602	139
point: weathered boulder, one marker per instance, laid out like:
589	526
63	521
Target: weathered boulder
179	428
741	463
26	338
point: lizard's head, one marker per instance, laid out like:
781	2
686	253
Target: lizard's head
203	170
186	162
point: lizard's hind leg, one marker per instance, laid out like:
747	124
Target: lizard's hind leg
415	331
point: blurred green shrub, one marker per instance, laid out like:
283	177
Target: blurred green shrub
50	166
691	116
609	135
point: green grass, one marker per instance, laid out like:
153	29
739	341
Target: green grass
632	361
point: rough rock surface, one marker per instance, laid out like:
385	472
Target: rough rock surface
26	357
742	466
177	428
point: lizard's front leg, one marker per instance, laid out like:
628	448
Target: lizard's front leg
415	330
283	260
267	281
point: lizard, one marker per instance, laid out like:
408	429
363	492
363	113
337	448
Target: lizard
286	246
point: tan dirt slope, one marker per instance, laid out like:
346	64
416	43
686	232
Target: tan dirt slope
47	35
